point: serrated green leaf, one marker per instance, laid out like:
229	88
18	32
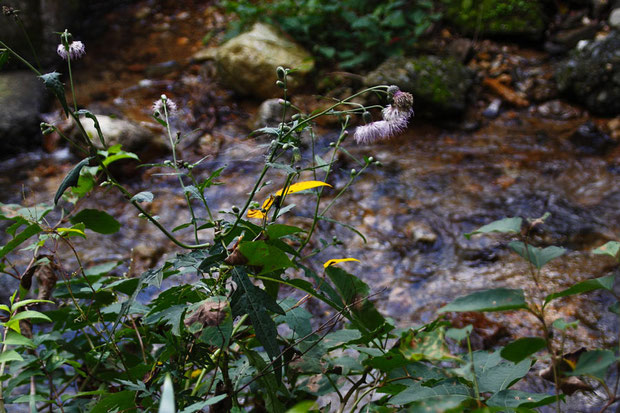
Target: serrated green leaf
522	348
537	256
515	398
198	406
71	179
494	373
511	225
53	84
172	316
96	220
10	355
611	248
605	283
166	403
499	299
121	401
594	362
297	318
140	197
251	300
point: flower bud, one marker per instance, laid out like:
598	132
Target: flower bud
235	209
296	154
332	144
367	117
281	72
353	171
371	159
281	84
284	103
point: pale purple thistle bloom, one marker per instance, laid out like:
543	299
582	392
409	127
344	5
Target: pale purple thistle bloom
158	106
76	50
395	119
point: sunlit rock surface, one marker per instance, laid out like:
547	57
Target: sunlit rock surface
248	62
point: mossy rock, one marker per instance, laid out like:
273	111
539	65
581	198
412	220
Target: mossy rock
591	75
497	18
439	85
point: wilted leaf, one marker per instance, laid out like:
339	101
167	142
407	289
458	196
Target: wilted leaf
422	345
611	248
299	186
53	84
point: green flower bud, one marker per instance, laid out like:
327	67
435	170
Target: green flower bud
235	209
367	117
281	72
353	171
281	84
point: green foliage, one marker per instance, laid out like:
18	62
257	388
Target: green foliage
240	336
351	32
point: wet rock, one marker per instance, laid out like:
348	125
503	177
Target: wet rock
22	97
564	40
492	111
588	139
614	19
270	114
131	136
591	75
557	109
439	85
512	18
161	69
248	62
420	232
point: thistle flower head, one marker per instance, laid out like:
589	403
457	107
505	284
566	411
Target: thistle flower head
395	119
73	50
164	102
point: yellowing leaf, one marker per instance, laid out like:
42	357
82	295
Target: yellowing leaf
337	260
71	231
299	186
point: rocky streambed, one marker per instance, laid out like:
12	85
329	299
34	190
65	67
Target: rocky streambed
501	141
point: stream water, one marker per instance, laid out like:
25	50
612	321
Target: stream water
435	185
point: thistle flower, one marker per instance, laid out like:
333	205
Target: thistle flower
76	50
159	104
395	119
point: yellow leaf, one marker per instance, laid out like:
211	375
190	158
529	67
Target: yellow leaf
299	186
195	373
66	231
337	260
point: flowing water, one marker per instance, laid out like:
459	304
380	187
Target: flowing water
435	184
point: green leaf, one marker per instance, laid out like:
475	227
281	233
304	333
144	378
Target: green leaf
53	84
611	248
459	334
494	373
251	300
16	339
297	318
28	232
140	197
172	316
210	181
166	404
71	179
29	315
449	389
302	407
561	324
594	362
4	57
275	231
97	221
605	283
499	299
537	256
10	355
266	256
118	156
515	398
512	225
522	348
198	406
268	382
121	401
75	230
22	303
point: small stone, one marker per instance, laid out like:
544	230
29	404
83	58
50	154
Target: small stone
614	19
492	111
420	232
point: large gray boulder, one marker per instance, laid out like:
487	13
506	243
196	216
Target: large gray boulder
591	75
22	98
248	62
439	85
